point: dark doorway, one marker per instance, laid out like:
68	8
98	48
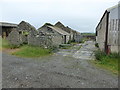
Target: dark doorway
65	39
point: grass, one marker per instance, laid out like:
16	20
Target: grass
4	44
24	50
32	51
109	62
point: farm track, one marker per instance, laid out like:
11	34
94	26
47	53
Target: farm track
68	68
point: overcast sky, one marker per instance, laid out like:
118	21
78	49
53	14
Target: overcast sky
80	15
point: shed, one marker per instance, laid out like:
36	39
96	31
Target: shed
6	28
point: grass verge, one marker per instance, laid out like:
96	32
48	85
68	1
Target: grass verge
109	62
24	50
4	44
32	51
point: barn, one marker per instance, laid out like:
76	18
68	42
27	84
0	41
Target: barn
74	35
59	35
107	31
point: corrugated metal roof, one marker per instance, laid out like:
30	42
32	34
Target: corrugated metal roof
58	30
113	7
5	24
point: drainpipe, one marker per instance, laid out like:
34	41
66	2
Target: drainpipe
107	49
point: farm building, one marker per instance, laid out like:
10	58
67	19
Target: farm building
20	34
25	26
67	29
6	28
74	35
25	33
107	31
58	35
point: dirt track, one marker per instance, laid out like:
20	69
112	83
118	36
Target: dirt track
65	69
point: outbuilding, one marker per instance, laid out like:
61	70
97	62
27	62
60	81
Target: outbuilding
6	28
74	35
108	30
58	35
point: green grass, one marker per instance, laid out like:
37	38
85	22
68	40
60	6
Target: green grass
32	51
4	44
24	50
109	62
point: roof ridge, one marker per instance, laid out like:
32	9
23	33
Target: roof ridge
113	7
59	30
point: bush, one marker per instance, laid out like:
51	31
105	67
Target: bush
114	55
96	45
99	54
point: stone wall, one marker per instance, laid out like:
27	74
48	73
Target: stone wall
16	38
101	33
57	38
38	40
25	26
78	38
46	37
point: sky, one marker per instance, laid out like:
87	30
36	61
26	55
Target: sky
80	15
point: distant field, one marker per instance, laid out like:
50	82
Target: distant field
88	34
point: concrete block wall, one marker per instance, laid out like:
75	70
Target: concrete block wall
101	33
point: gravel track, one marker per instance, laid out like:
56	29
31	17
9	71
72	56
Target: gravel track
68	68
